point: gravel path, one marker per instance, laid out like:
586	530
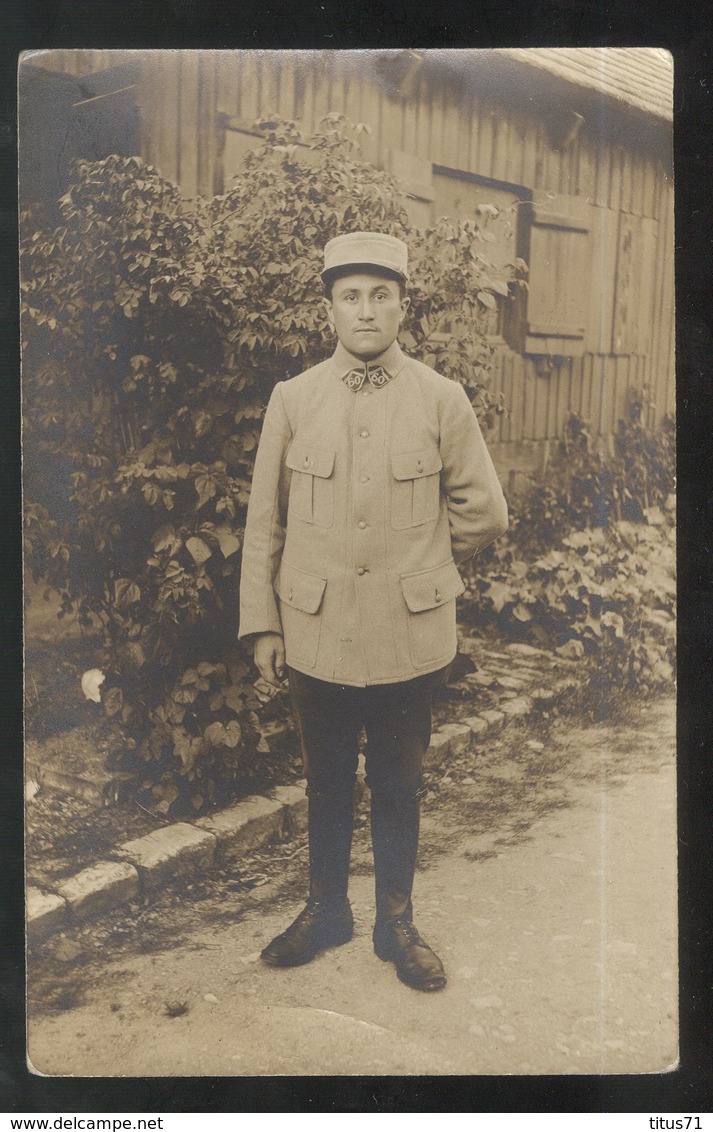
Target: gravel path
548	887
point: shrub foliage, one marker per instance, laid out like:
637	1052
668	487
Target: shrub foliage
588	565
154	329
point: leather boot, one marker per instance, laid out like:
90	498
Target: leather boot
326	920
394	835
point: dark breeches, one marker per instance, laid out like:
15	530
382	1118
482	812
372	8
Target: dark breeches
397	722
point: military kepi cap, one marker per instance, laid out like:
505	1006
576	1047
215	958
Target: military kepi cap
365	249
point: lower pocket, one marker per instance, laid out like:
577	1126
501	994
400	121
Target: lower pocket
300	595
432	634
301	631
430	598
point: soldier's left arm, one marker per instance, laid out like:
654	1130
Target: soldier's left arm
477	510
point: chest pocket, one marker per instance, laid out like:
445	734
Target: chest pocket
312	485
415	487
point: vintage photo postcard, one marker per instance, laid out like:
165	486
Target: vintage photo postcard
349	502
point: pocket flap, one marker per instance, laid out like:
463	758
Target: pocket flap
431	588
306	458
413	465
299	589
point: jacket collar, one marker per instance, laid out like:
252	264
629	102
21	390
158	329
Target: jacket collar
392	360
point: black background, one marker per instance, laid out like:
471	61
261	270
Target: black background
682	28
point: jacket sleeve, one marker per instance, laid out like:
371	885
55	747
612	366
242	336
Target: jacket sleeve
266	523
477	510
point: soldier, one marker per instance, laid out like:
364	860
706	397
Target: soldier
372	480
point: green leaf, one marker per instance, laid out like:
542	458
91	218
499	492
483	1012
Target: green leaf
500	593
215	734
228	542
206	488
234	698
126	592
113	701
165	538
200	552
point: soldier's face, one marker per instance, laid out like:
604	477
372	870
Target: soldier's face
366	312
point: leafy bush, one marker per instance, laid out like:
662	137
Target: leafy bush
584	487
154	329
571	573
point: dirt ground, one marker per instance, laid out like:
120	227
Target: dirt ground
547	884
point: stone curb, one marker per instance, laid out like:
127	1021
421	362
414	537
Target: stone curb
146	864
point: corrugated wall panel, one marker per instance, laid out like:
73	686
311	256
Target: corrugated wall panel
649	189
168	141
598	378
250	87
188	153
469	133
529	393
518	398
564	394
665	346
528	175
409	112
228	87
602	157
271	86
422	125
576	385
485	139
370	114
615	179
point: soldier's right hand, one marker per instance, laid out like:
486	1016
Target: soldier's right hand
269	654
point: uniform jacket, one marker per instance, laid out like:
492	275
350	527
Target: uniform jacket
361	504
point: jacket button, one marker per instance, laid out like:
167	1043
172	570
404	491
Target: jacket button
361	570
362	525
363	479
437	596
419	467
289	596
306	461
364	434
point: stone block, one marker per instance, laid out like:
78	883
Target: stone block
544	695
46	912
495	655
459	735
493	718
248	825
513	683
476	725
99	888
294	800
175	850
439	749
479	680
519	649
518	707
470	646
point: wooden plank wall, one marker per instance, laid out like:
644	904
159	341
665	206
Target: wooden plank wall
628	342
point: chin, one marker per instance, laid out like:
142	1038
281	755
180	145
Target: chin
366	350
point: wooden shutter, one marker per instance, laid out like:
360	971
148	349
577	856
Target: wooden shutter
560	271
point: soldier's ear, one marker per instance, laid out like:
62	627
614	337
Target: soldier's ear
330	317
405	303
